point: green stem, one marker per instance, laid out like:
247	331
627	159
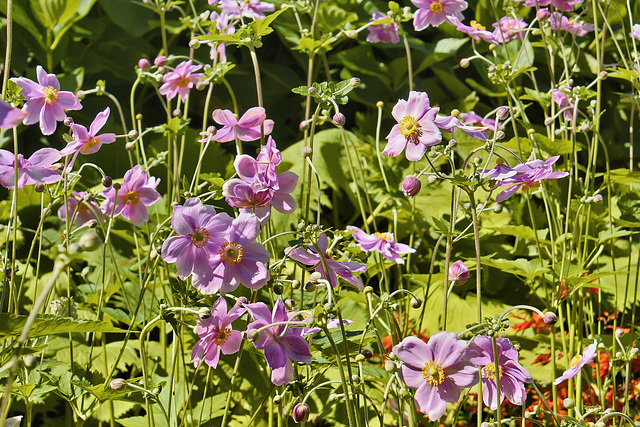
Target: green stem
7	56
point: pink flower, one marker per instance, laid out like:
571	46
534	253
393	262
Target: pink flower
561	22
217	335
635	33
136	193
509	28
528	175
437	369
473	119
45	102
578	362
345	269
236	259
37	168
89	142
223	25
280	343
512	374
384	243
565	102
435	12
181	80
385	33
458	273
254	9
533	3
199	229
79	209
475	30
565	5
10	116
245	129
415	130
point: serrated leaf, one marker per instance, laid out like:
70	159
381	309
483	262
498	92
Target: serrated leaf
519	267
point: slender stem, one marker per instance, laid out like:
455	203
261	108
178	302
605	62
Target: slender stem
476	239
496	361
7	56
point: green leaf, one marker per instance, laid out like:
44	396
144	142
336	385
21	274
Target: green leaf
556	147
624	176
520	267
129	16
11	325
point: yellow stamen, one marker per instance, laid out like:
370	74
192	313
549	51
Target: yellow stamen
51	95
410	128
223	336
131	198
433	373
199	237
231	253
436	8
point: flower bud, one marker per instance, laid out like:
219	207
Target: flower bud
133	134
368	354
290	304
458	273
500	134
90	241
416	302
312	90
307	151
411	186
328	307
431	179
550	318
619	332
176	112
502	113
144	64
68	121
355	81
464	63
477	160
39	187
117	383
390	366
194	43
160	61
107	181
139	117
584	127
253	335
597	198
300	413
543	14
30	362
452	143
569	403
379	104
278	289
339	119
242	301
277	399
360	358
367	290
204	313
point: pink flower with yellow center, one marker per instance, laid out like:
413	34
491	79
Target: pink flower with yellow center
37	168
384	243
181	80
216	334
45	102
435	12
577	362
80	209
136	193
88	141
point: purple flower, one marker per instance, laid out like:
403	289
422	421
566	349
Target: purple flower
451	124
475	30
411	186
79	209
181	80
415	130
473	119
509	28
578	362
199	228
344	269
437	369
528	175
88	142
10	116
332	323
45	102
384	243
512	374
635	33
237	259
560	22
565	5
136	193
435	12
385	33
37	168
458	273
224	27
279	342
254	9
216	334
565	102
534	3
245	129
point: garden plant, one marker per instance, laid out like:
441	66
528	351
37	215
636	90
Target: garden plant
319	212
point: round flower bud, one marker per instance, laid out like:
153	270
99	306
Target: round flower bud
295	284
30	362
242	301
290	304
312	90
367	290
355	81
390	366
253	335
543	14
194	43
548	121
309	287
339	119
379	104
464	63
315	277
455	113
360	358
368	354
90	241
278	288
452	143
500	134
597	198
502	113
176	112
458	273
277	399
68	121
477	160
569	403
204	313
431	179
307	151
39	187
550	318
129	146
491	68
300	413
117	383
531	131
133	134
584	127
144	64
107	181
80	94
352	34
139	117
328	307
333	397
411	186
160	61
619	332
416	302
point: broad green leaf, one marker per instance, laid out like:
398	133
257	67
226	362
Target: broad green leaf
11	325
520	267
624	176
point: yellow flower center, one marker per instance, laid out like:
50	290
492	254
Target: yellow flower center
436	8
82	208
489	371
223	336
50	95
231	253
433	373
576	359
184	82
531	185
131	198
410	128
89	145
383	236
477	26
199	237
